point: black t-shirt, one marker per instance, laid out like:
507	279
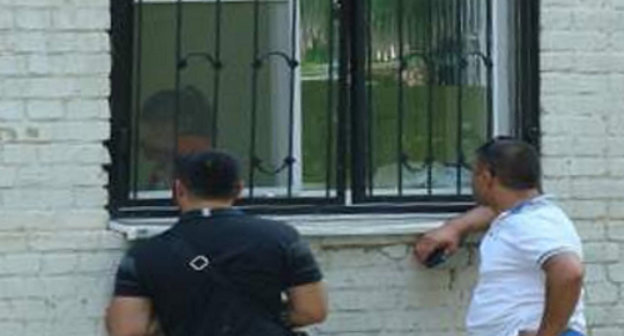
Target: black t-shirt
270	258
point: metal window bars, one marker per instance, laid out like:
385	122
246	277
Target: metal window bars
452	40
446	59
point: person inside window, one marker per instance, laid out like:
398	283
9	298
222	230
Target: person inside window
156	144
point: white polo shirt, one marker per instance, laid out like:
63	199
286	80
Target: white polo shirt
510	294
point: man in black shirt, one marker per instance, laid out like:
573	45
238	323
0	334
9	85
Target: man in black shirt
258	259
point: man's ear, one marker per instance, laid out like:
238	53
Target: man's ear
493	180
179	190
239	189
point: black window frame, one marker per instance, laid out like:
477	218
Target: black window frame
351	106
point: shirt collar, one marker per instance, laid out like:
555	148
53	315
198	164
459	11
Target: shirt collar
210	213
523	205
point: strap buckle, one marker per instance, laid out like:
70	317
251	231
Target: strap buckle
199	263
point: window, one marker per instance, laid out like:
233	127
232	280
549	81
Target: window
326	102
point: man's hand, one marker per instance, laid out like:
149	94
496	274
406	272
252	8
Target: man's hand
449	236
446	237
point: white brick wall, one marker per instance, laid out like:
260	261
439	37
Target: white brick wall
57	259
380	290
582	100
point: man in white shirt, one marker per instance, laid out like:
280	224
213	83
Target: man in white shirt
531	271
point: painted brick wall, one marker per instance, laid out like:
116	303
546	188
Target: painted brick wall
583	121
56	256
376	288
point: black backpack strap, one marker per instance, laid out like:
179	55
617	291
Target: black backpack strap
199	262
205	265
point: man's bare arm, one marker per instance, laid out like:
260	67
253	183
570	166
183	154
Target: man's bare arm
564	282
130	316
449	235
307	304
475	220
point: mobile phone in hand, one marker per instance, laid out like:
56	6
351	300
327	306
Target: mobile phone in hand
436	258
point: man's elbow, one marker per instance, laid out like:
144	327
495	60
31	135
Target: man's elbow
308	304
310	315
567	269
575	274
117	326
319	315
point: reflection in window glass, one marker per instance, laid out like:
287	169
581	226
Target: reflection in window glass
155	98
440	94
428	93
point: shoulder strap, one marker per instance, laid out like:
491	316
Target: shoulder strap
205	265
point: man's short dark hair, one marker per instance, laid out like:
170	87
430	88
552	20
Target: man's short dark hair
210	174
514	162
194	116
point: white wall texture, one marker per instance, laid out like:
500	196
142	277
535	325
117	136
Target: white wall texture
57	258
583	124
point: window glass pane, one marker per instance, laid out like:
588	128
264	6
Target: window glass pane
443	85
225	95
319	87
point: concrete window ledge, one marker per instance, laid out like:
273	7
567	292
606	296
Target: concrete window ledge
360	229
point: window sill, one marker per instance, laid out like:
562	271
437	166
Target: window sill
312	226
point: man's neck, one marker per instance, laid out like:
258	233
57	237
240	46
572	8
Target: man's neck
206	204
510	199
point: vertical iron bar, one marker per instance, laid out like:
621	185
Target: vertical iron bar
293	64
460	96
217	75
178	58
400	103
522	66
528	75
489	67
330	102
534	82
254	98
440	42
122	94
358	105
136	128
431	69
478	26
448	36
343	99
518	62
369	92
